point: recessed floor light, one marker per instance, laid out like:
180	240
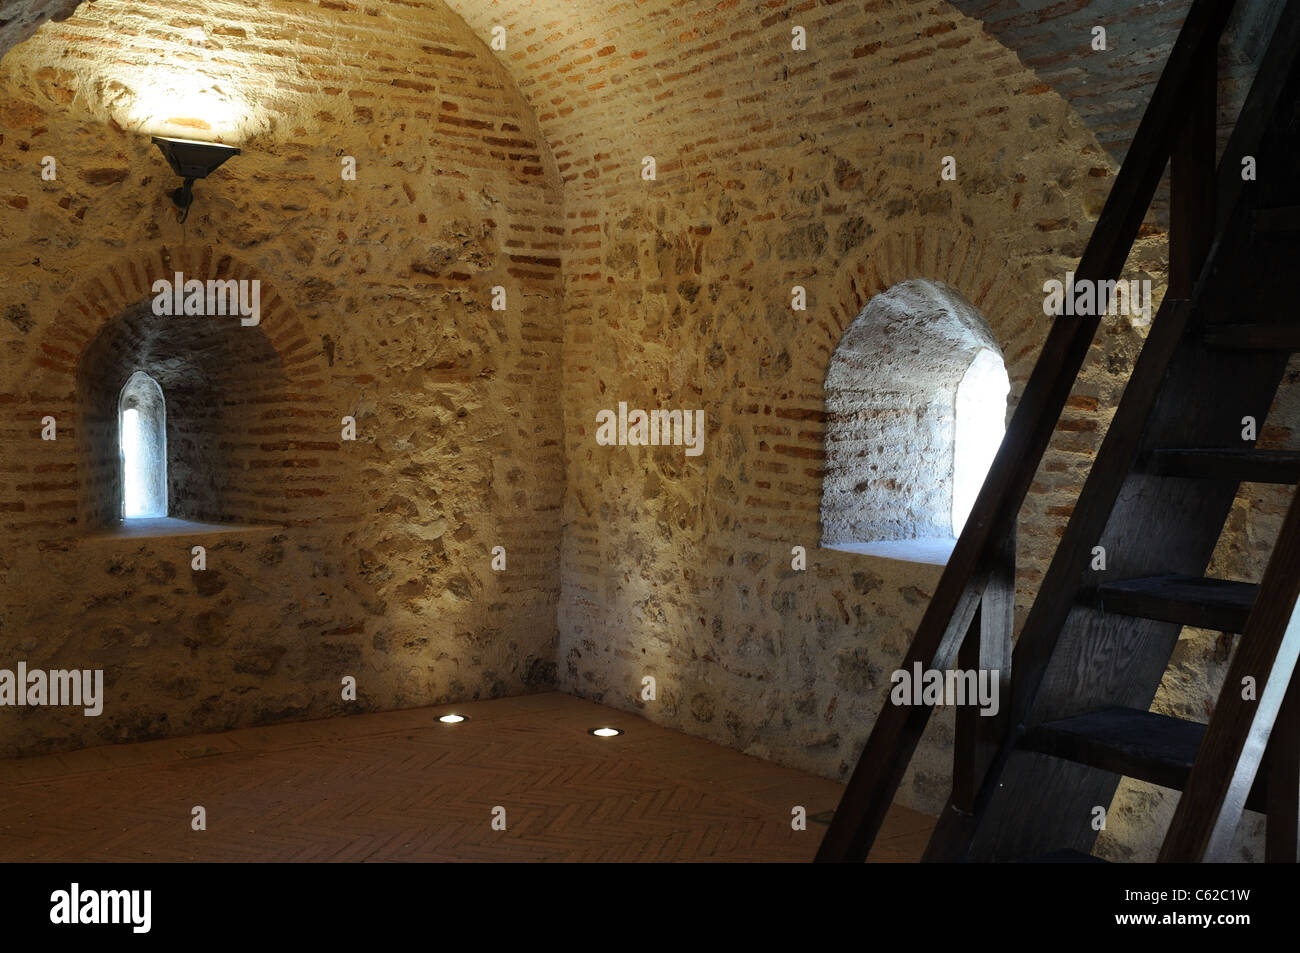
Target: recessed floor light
605	732
452	719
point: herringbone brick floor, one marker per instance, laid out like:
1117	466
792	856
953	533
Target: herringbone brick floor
398	786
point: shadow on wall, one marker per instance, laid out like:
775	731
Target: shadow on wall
916	402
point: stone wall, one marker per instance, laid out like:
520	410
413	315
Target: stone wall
819	168
774	168
369	558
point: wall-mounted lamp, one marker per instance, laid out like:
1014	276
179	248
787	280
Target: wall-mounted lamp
191	160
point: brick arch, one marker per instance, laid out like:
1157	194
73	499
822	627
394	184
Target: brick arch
276	458
1006	296
115	287
978	268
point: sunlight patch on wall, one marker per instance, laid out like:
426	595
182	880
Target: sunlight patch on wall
980	411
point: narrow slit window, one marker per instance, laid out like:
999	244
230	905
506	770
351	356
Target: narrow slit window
142	424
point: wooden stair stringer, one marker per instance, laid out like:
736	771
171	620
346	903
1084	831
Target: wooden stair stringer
1065	660
1189	390
1078	658
1104	659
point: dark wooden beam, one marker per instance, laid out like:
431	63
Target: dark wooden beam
1066	856
1282	835
1253	337
1192	177
1119	452
1235	466
1283	219
1221	604
987	648
1273	81
1137	744
1229	757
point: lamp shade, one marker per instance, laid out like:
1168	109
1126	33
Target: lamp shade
193	160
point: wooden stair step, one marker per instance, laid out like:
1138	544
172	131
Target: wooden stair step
1245	465
1221	604
1253	337
1137	744
1283	219
1066	855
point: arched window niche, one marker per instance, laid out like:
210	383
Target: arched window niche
916	403
142	438
185	425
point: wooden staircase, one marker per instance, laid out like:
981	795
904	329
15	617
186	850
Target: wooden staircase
1096	643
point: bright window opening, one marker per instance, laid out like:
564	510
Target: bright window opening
916	401
979	425
142	424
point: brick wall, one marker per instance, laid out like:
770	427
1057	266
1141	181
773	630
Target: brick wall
368	558
774	168
1110	89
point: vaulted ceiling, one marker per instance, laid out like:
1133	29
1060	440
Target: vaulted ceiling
597	71
1110	89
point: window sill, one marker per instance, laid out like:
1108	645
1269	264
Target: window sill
167	526
931	552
